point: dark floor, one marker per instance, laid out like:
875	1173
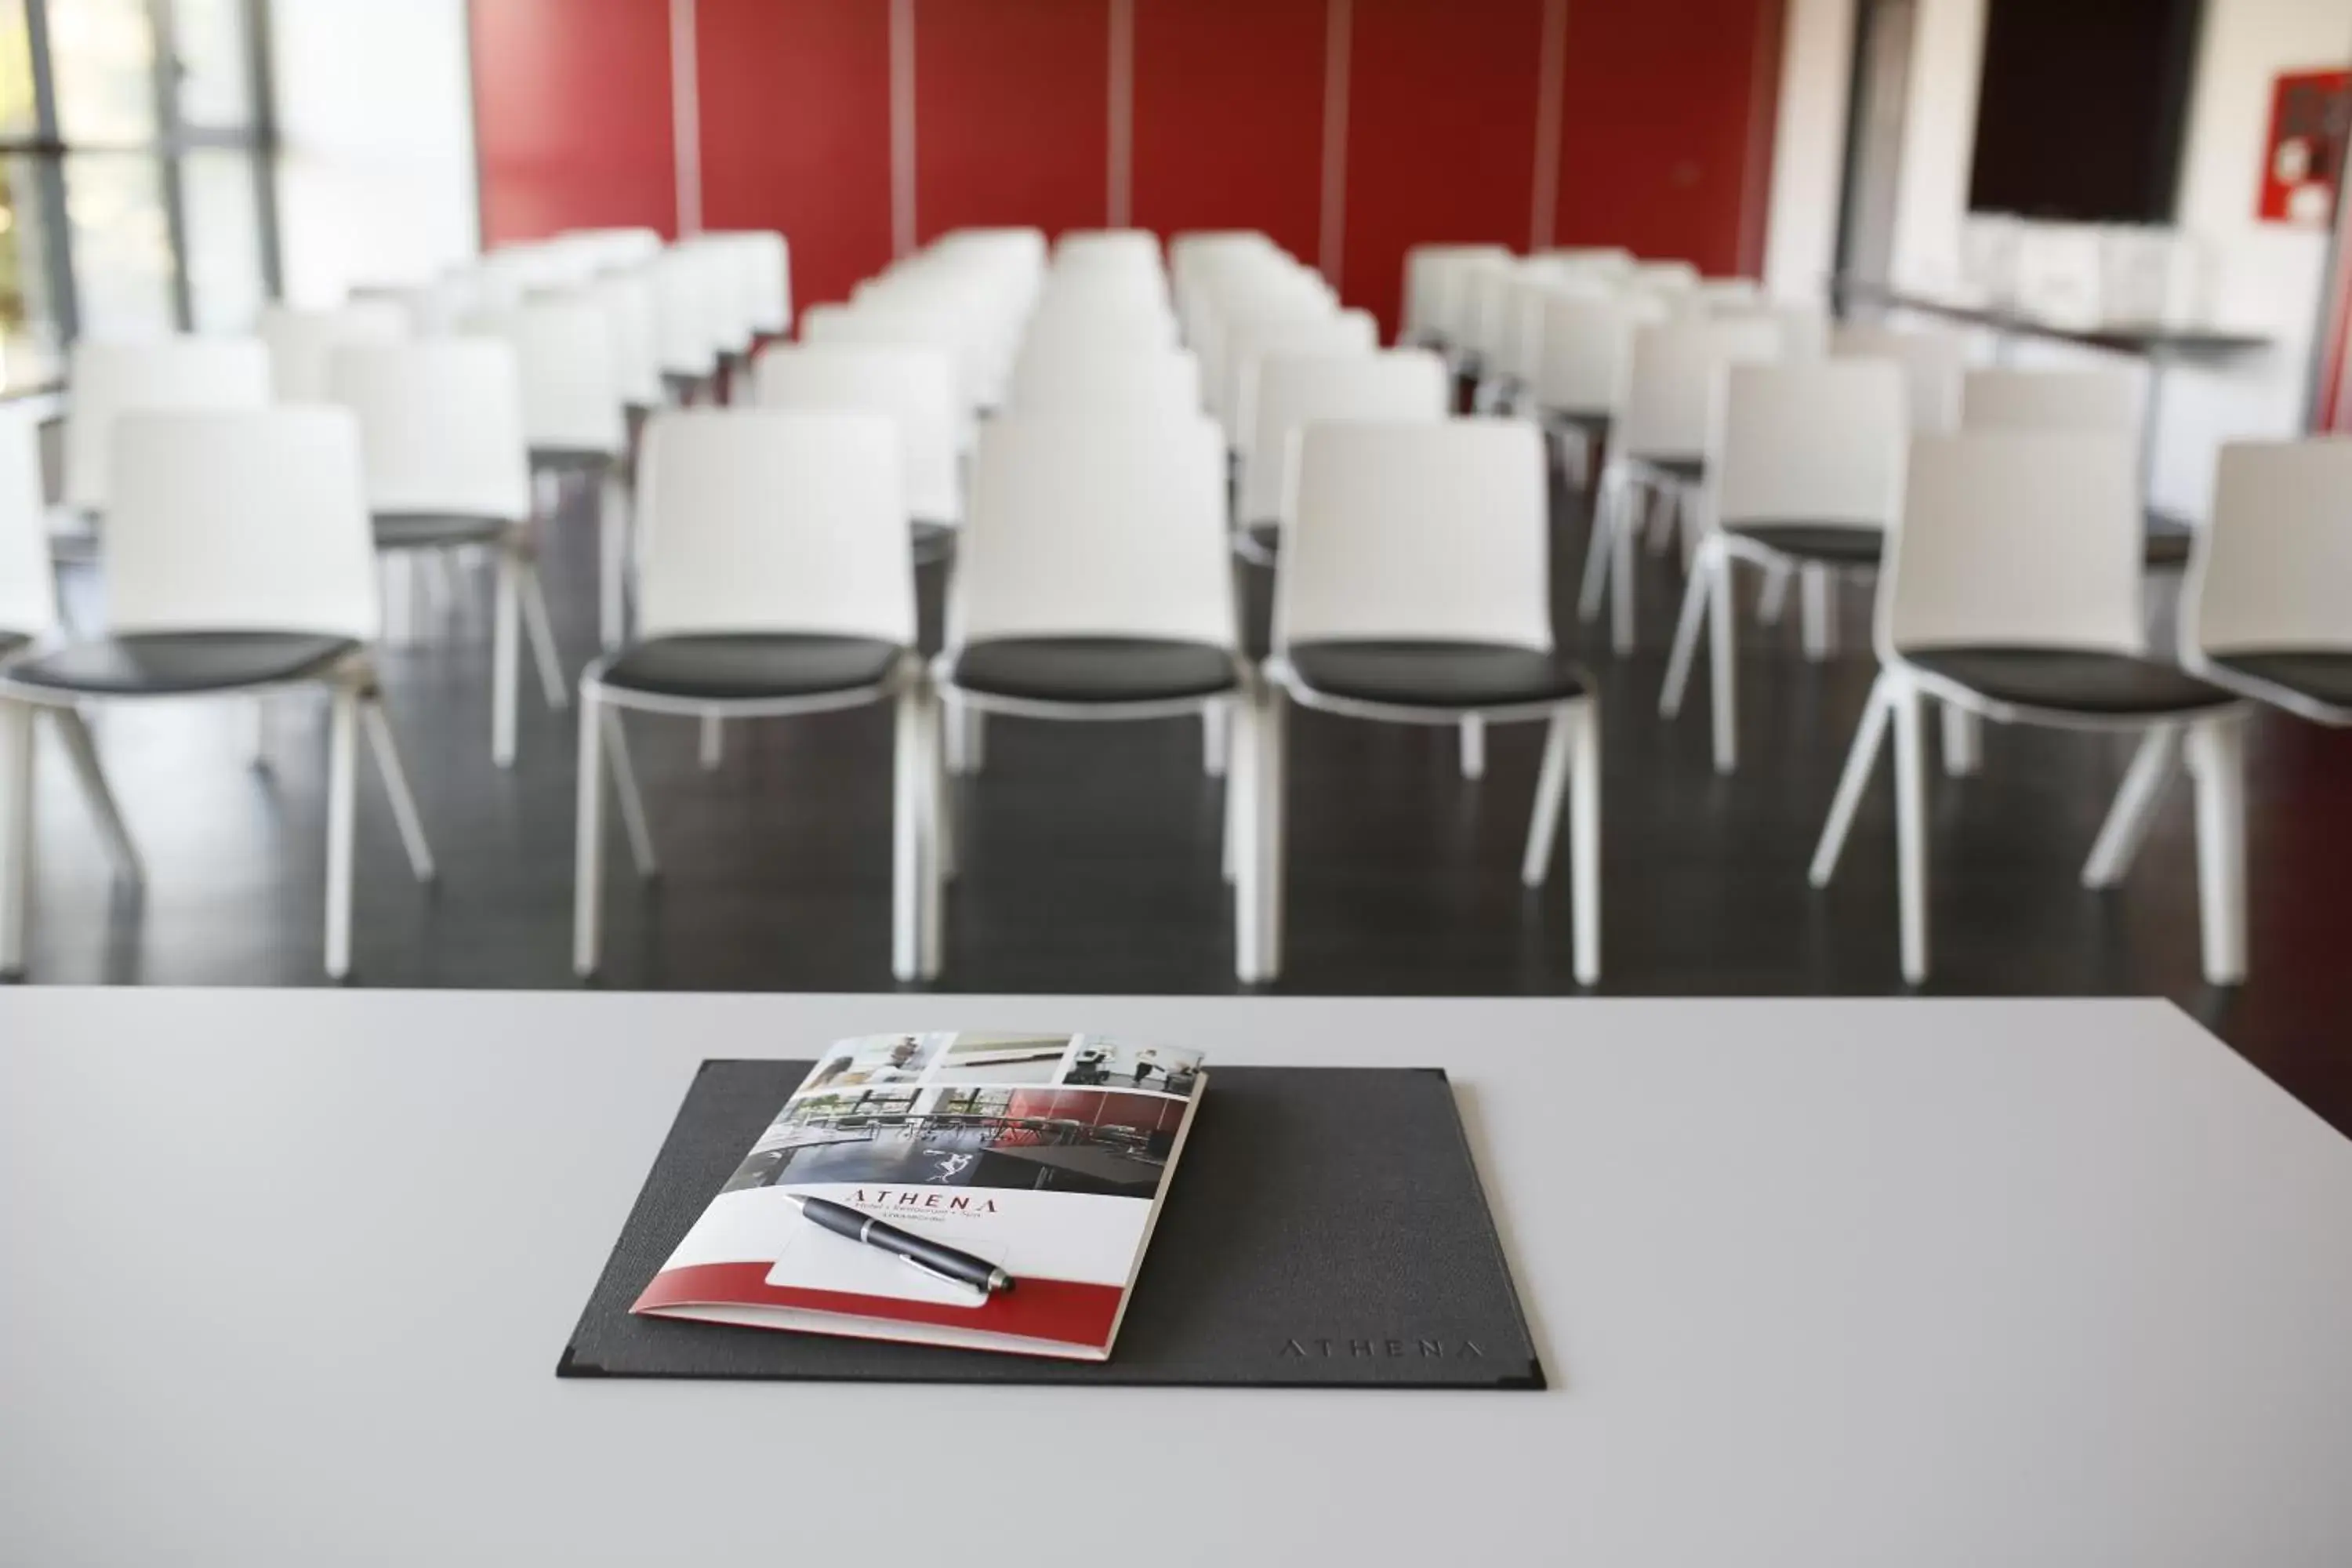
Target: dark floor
1091	853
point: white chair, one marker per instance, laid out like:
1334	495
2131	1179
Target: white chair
2085	402
1415	588
1934	367
1436	284
928	324
1249	344
2011	592
1804	472
1673	278
303	343
238	562
108	380
1163	383
441	442
765	260
688	324
1657	447
576	426
774	584
29	621
913	387
1584	364
1294	391
625	298
1093	582
2266	609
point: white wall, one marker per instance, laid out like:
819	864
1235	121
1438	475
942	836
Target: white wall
1940	137
1808	148
375	181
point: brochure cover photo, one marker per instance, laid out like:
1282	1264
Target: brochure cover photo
1041	1159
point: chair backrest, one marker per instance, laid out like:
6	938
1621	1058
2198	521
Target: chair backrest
1165	382
249	521
912	387
773	520
624	296
1932	362
1519	349
2080	401
441	426
1671	277
1670	390
2272	571
28	589
1481	316
1249	344
1083	527
688	328
1437	530
903	324
302	342
1391	386
571	392
2015	539
1435	284
1585	355
108	380
1818	444
764	259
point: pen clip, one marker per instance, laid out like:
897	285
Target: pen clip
919	1267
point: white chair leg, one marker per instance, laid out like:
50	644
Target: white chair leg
1665	513
81	751
15	832
2135	808
1216	725
382	742
1551	786
541	632
612	563
1268	763
1723	651
505	659
1686	627
1584	840
1597	551
908	763
1774	597
2219	746
1620	573
1474	748
625	785
342	789
953	737
588	841
1860	758
1911	829
1963	741
712	749
1819	632
1241	838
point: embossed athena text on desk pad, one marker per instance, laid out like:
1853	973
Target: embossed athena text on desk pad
1327	1229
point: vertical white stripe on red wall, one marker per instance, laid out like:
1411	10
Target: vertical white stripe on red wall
1119	198
1334	232
902	127
686	116
1551	69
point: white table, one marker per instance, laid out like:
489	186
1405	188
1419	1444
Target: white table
284	1276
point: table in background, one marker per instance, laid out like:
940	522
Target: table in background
284	1276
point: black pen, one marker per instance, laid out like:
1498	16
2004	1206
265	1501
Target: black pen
916	1251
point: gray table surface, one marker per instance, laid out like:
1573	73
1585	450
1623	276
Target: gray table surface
284	1276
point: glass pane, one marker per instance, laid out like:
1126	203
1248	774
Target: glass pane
30	339
214	54
102	54
223	223
17	116
121	242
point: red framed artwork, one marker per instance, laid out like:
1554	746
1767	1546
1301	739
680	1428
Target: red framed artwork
2303	158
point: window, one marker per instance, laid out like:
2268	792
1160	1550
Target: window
135	147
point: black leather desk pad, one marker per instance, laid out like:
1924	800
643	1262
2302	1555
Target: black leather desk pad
1325	1229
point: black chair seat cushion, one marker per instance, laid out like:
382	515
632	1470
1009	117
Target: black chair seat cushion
1825	543
1420	674
165	664
2322	675
750	667
426	530
1093	669
1672	470
2070	681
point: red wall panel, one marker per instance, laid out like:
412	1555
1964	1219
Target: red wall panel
1229	117
572	116
1012	114
796	131
1440	134
1667	129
